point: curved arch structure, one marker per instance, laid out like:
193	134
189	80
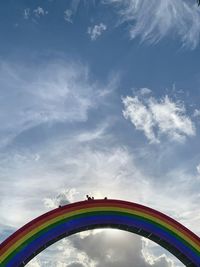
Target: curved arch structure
52	226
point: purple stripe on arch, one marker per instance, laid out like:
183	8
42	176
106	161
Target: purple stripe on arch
106	220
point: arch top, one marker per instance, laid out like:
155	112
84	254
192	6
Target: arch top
32	238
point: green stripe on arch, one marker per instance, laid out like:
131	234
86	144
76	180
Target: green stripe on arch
91	214
30	232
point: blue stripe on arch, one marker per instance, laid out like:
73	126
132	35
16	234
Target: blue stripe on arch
100	219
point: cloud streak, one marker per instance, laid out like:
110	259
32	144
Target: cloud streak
56	92
156	19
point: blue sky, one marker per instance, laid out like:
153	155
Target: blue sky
101	98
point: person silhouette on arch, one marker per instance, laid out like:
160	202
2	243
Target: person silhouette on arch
88	197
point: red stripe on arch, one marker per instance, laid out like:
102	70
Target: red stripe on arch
90	204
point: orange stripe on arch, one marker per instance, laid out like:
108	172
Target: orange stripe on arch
7	247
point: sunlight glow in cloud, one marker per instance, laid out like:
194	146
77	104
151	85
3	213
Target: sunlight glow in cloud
110	248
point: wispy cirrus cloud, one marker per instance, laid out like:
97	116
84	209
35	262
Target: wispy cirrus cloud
158	117
56	92
70	12
153	20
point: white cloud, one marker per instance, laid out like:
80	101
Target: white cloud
171	118
68	15
161	260
198	168
153	20
140	116
113	249
70	12
157	118
39	12
96	31
26	13
34	263
36	13
196	113
62	254
63	198
145	91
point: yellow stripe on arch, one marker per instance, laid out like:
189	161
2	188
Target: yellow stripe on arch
96	209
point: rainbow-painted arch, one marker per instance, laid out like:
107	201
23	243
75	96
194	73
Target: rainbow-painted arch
27	242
